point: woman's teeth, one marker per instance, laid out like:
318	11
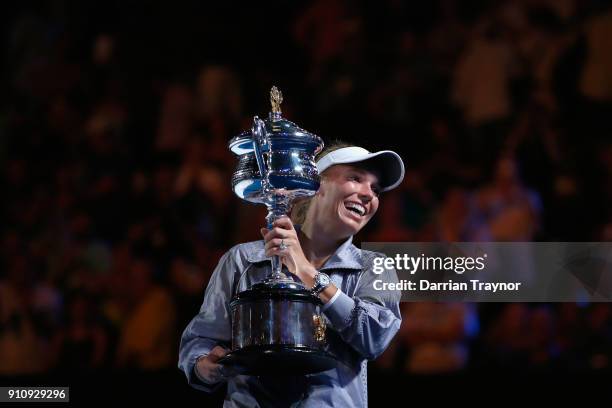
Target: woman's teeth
356	208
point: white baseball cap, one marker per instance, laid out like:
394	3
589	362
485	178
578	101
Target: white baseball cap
386	163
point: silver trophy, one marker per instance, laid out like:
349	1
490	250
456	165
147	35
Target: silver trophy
276	323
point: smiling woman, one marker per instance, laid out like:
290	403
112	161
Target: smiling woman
320	255
352	179
300	206
345	202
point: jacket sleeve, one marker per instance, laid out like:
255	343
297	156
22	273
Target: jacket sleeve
211	326
369	319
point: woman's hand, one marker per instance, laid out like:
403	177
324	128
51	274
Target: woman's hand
292	255
209	370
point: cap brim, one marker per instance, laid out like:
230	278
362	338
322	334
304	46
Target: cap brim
387	164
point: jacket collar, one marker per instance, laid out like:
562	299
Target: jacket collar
347	255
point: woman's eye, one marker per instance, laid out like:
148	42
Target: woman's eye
354	178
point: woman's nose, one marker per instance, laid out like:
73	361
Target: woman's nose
366	192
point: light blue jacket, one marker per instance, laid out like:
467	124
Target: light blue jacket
361	322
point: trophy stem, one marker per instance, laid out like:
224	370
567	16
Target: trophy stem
278	206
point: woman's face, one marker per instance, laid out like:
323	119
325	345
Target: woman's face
346	200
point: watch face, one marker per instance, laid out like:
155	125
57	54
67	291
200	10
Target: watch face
323	279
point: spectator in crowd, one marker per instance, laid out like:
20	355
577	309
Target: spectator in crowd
148	335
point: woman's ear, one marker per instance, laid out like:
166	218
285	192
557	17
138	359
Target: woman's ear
322	187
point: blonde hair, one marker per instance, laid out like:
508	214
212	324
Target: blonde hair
301	206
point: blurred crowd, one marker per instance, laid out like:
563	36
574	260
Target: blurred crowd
114	125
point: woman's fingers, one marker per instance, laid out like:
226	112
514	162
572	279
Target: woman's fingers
208	368
276	251
277	232
281	228
217	352
282	232
276	242
283	222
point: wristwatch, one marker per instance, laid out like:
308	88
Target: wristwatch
321	281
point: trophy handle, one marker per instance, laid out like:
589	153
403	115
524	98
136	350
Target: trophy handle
261	144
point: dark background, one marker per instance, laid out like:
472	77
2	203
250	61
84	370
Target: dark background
115	173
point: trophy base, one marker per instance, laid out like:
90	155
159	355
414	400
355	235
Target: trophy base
278	360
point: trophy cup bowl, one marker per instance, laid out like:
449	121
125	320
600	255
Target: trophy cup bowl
277	326
290	162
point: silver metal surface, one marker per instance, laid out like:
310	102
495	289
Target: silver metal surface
275	166
275	322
